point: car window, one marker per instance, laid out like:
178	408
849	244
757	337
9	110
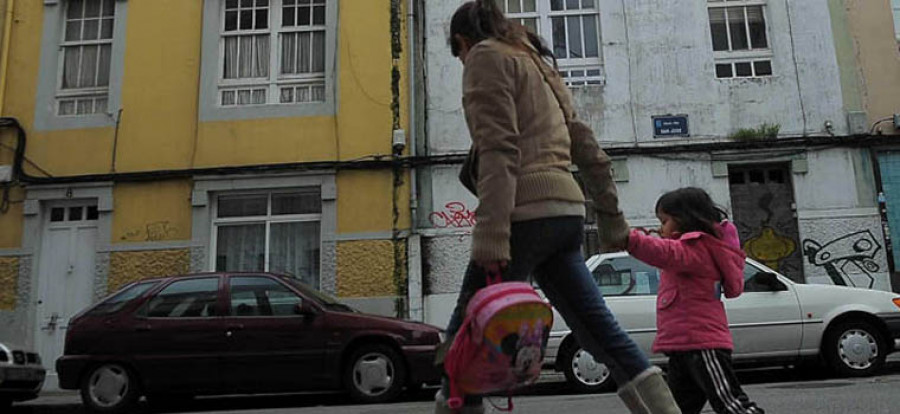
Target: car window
192	298
626	276
750	281
261	296
120	299
316	296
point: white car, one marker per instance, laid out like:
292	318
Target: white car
775	322
21	375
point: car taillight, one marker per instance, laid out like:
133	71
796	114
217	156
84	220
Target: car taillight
897	302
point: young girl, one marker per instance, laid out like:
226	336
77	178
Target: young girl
700	258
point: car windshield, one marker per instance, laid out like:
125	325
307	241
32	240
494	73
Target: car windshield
321	298
120	299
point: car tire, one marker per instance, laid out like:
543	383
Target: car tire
583	373
374	373
5	403
854	349
110	388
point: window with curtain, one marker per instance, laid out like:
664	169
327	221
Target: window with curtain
275	232
571	27
272	52
86	55
739	38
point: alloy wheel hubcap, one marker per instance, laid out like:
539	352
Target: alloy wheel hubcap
587	370
373	374
108	385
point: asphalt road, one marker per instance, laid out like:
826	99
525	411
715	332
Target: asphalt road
794	391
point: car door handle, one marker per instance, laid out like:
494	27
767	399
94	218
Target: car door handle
142	328
236	327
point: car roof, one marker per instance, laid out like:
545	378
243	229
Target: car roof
209	274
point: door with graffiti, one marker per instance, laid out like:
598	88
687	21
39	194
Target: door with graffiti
762	199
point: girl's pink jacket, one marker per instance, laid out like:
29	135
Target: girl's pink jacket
690	314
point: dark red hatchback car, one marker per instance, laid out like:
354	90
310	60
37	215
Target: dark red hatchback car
237	333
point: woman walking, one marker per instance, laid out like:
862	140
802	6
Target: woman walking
531	210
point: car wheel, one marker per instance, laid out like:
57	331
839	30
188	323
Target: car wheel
854	349
374	373
5	403
584	373
109	388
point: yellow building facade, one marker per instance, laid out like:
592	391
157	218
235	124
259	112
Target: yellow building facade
172	136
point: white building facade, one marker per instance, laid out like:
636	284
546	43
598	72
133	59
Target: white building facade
685	93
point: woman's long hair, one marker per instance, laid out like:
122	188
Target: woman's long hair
693	210
482	19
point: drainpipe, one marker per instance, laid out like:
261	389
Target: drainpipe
4	59
414	243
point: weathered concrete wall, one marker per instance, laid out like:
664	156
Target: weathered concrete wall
448	256
451	205
833	181
651	72
126	267
649	178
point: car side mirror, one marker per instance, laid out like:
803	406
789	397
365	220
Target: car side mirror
769	280
305	309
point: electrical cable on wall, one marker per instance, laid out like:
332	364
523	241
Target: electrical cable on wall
384	162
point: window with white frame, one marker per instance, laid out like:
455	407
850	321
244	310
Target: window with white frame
277	231
272	52
85	58
739	38
573	30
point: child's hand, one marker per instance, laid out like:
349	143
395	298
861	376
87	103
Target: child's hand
648	231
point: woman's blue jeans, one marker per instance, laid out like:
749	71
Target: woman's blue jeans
550	250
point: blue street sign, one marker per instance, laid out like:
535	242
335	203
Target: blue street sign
670	126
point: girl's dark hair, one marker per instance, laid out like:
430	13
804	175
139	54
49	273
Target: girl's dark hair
482	19
692	209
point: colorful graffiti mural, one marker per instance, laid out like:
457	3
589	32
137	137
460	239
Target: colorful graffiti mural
770	248
845	256
764	211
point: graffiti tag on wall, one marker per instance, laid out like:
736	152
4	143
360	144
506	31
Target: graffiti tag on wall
454	215
841	257
157	231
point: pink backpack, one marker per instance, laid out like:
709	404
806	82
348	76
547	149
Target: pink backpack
500	346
